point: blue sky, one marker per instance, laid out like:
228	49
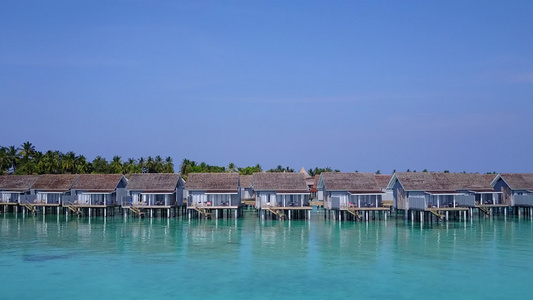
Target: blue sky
354	85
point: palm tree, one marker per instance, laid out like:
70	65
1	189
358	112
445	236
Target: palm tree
3	160
26	153
116	165
68	162
158	164
12	158
185	164
169	165
37	162
142	165
81	165
131	166
150	165
232	168
27	150
100	165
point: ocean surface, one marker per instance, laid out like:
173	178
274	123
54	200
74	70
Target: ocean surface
54	257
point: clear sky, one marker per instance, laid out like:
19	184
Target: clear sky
354	85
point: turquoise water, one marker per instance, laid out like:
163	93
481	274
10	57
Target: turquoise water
114	258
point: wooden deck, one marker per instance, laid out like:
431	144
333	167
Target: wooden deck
9	203
88	206
214	207
147	206
431	209
289	207
492	205
381	208
249	202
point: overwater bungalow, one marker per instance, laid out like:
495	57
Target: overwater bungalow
351	195
476	191
154	192
48	191
516	188
282	195
214	195
97	191
12	187
440	193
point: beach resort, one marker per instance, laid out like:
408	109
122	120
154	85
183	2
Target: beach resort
415	196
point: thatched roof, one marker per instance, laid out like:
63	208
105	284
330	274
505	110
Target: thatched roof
153	182
246	181
471	181
97	182
383	180
280	182
518	181
55	182
303	171
351	182
444	182
213	182
17	183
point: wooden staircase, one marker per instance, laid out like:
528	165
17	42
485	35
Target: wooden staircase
137	211
30	207
437	214
355	213
277	212
485	210
202	211
75	210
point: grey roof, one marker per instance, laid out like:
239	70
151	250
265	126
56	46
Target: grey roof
97	182
280	182
471	181
383	180
351	182
213	182
444	182
55	182
17	183
246	181
153	182
518	181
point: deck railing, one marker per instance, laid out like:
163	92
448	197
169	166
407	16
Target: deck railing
69	200
523	200
417	203
10	198
28	199
465	200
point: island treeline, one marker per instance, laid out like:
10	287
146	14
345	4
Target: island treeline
25	160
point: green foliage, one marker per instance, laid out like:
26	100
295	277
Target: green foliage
318	171
27	160
250	170
280	169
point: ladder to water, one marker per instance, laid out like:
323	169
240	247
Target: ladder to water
75	209
355	213
203	212
277	212
484	210
437	214
137	211
30	207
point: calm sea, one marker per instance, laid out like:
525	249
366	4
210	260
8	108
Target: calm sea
117	258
